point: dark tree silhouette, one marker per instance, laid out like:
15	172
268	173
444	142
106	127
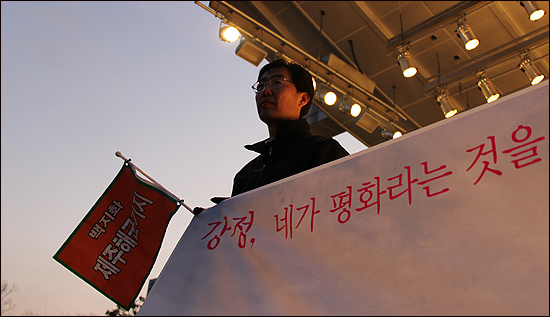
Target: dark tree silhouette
7	303
119	311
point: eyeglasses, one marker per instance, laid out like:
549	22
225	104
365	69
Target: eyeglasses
276	83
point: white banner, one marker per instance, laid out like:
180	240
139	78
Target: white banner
451	219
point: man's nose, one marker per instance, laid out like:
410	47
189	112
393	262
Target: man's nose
267	90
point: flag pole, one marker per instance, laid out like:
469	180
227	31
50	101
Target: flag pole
118	154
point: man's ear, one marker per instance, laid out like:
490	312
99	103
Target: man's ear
304	99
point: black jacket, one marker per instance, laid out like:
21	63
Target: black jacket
294	150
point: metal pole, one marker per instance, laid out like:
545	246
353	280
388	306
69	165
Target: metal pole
152	180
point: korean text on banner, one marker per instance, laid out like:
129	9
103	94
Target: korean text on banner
116	244
451	219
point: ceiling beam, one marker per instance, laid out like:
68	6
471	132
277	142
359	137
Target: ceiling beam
325	36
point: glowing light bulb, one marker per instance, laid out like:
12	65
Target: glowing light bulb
355	110
472	44
229	34
330	98
450	113
493	98
488	89
409	72
537	79
467	35
536	15
531	70
404	60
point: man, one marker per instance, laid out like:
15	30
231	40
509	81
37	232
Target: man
284	93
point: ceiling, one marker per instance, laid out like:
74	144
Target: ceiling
363	39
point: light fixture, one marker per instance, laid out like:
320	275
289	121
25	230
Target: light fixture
314	83
405	61
487	88
229	33
533	10
330	98
351	108
250	52
327	95
465	32
367	121
531	71
445	105
389	135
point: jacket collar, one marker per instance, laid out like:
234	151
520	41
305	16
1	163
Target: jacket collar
286	131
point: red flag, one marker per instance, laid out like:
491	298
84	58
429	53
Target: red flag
116	244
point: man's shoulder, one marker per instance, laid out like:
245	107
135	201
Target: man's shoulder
317	139
320	144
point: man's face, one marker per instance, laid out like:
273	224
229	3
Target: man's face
282	103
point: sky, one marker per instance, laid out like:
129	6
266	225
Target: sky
82	80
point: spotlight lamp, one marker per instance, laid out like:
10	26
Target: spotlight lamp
446	105
531	71
487	88
404	60
533	10
388	135
330	98
327	96
351	108
465	32
229	33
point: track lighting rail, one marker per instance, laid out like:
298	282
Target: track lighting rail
319	64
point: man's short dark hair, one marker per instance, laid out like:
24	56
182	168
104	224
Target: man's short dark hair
300	77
